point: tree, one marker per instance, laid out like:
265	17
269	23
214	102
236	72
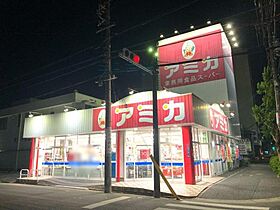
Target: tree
265	113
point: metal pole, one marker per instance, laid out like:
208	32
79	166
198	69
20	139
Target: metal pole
21	120
156	134
108	150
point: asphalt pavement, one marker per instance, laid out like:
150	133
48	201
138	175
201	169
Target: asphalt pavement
26	197
257	181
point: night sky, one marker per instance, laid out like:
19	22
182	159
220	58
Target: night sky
50	47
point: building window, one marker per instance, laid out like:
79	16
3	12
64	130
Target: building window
3	123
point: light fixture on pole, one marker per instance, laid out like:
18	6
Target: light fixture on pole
176	31
161	36
208	22
192	27
150	49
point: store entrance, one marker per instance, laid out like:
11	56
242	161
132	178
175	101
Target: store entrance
171	155
138	146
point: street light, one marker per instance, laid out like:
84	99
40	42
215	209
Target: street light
176	32
150	49
192	27
235	44
161	36
208	22
233	39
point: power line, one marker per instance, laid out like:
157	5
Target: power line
49	73
67	87
138	44
59	61
83	50
59	76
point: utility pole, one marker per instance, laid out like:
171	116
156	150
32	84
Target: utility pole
103	14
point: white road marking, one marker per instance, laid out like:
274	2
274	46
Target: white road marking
226	205
103	203
160	208
192	206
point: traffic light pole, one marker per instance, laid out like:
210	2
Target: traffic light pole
156	133
128	55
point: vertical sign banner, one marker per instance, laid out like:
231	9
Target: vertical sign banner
203	57
218	121
174	110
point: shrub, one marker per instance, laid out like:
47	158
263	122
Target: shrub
275	164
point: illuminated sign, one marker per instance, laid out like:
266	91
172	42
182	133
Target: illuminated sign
218	121
197	59
174	110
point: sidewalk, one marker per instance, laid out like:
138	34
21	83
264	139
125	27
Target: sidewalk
8	177
257	181
181	189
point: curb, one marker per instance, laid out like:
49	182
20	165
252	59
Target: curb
136	191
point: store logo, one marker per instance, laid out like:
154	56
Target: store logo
101	119
188	49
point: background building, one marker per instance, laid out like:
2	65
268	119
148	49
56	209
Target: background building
14	150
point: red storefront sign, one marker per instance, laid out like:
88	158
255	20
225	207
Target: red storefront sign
218	121
203	55
175	110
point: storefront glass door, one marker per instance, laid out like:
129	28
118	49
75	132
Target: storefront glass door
138	147
171	153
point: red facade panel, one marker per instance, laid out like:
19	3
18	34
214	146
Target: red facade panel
174	110
202	57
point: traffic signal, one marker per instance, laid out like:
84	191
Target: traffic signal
134	59
130	56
